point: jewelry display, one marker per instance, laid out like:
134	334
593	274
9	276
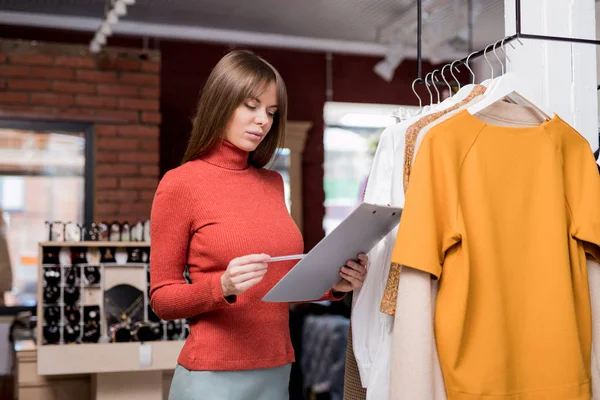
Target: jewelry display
79	255
123	304
125	232
144	332
174	330
51	334
146	236
114	232
91	333
91	274
94	232
73	232
50	255
107	254
76	306
51	294
103	231
52	315
71	276
72	314
51	276
59	231
120	333
136	233
135	255
70	294
71	333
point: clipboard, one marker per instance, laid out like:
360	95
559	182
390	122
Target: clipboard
319	270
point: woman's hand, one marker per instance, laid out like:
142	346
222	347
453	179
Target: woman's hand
353	274
243	272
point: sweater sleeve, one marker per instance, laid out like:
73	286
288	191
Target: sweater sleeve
171	225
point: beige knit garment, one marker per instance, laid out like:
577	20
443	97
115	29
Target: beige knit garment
415	370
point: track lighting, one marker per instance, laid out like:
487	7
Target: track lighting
120	8
105	29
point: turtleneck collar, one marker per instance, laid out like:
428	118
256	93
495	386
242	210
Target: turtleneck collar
226	155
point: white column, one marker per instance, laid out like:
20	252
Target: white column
563	74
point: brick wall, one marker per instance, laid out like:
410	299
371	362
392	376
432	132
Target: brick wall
117	90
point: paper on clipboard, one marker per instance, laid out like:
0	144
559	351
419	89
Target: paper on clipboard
318	271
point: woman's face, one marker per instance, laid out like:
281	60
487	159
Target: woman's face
252	120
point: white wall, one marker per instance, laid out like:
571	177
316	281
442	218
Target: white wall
562	75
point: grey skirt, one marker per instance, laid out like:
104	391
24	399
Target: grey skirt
255	384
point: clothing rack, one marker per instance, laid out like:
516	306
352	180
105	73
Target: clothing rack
518	35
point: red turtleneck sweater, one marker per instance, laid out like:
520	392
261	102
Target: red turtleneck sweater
205	213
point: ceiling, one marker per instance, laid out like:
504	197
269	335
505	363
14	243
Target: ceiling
352	26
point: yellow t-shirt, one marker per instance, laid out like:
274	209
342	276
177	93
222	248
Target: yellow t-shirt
504	216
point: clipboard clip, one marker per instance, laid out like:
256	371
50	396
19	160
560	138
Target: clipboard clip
287	258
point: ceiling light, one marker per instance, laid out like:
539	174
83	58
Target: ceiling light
94	47
105	29
386	68
120	8
129	2
112	18
100	38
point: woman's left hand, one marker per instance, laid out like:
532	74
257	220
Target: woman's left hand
353	274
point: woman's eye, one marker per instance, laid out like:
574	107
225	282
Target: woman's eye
251	107
272	114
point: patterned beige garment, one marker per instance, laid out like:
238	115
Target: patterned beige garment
388	301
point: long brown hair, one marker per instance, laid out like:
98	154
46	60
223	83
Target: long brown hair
237	76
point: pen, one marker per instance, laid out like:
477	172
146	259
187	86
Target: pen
286	258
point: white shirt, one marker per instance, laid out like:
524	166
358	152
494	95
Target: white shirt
371	329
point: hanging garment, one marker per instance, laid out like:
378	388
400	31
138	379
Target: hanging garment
415	367
594	283
401	173
502	216
353	389
371	330
368	327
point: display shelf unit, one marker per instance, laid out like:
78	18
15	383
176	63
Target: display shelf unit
62	345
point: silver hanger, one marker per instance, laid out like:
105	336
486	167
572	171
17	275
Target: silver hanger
427	87
452	67
444	78
469	68
488	61
434	82
498	58
506	59
415	92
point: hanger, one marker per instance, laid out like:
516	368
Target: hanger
465	90
427	87
444	78
416	94
509	85
452	73
494	81
434	83
487	82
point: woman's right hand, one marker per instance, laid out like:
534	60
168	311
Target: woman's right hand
243	272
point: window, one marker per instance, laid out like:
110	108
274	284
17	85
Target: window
45	175
281	164
350	139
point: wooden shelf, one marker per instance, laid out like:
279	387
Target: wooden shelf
105	357
95	244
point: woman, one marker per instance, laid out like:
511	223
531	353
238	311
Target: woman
222	215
